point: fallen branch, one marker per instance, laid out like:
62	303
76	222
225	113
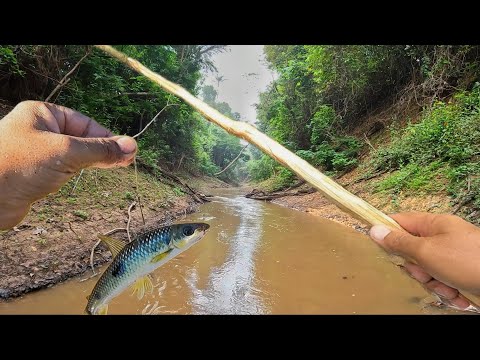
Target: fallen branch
372	176
297	185
200	198
232	162
260	195
368	141
66	78
334	192
71	228
464	202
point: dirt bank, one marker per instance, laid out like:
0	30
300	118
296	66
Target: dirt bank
318	205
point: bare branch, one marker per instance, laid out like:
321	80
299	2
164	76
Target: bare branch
70	225
154	118
368	142
66	79
233	161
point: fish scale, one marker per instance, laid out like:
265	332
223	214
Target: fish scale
140	257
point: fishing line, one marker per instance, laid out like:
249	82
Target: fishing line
137	188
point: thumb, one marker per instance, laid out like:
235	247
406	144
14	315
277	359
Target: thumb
101	152
394	241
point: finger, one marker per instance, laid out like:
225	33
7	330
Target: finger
100	152
421	224
66	121
397	242
461	302
417	272
441	289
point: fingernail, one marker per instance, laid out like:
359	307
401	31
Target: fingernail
378	232
127	144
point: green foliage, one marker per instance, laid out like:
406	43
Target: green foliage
129	196
215	148
283	179
449	132
353	79
9	60
414	177
321	124
296	112
322	91
262	168
447	137
178	192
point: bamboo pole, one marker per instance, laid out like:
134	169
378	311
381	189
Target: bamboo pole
341	197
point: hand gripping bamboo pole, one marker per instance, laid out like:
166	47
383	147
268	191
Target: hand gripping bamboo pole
345	200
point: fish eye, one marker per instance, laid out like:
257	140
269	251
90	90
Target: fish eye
188	230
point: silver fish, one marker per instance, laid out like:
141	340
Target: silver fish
133	262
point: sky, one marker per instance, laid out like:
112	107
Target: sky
246	74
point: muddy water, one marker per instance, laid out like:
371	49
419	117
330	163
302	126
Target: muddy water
257	258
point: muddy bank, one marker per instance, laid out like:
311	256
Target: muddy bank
54	241
318	205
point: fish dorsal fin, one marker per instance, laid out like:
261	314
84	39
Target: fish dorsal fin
114	245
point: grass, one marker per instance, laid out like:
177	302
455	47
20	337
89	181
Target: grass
104	191
415	178
81	214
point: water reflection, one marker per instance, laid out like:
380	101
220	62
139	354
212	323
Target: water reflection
230	288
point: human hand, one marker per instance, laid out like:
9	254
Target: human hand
42	146
446	250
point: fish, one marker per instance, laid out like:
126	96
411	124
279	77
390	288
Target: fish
133	262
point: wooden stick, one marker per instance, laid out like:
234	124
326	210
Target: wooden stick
346	201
